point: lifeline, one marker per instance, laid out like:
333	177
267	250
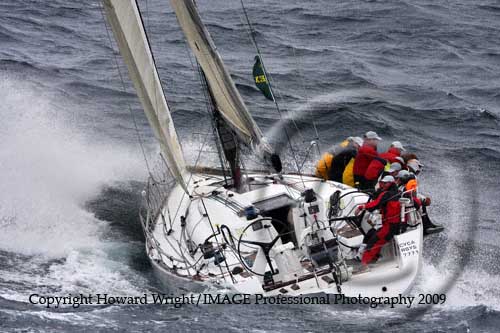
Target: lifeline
374	302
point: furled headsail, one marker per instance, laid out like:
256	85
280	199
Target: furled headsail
126	23
226	97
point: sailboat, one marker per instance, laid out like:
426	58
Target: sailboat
267	232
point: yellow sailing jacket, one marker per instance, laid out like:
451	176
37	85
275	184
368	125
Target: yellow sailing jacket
348	175
323	166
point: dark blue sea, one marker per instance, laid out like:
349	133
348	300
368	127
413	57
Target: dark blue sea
424	72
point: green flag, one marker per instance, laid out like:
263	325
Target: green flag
260	79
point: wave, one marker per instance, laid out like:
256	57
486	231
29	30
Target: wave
11	64
51	174
380	103
491	93
119	204
218	26
489	8
371	36
6	36
93	90
60	169
19	20
487	155
31	69
68	212
334	19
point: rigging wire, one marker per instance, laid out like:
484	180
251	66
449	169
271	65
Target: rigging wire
196	70
203	143
304	88
254	41
136	127
146	24
204	88
251	34
154	69
157	74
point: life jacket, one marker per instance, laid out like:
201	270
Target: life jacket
412	185
364	157
324	165
409	190
388	204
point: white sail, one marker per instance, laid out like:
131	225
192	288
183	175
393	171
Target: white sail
226	96
126	23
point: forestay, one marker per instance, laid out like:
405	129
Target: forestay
127	26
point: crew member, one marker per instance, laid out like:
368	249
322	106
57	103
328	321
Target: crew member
343	163
402	162
366	154
324	167
374	170
382	163
408	156
411	185
401	179
394	151
390	208
393	170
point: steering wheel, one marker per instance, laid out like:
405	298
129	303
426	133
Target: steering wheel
265	246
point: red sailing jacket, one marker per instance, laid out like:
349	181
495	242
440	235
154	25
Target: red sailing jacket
389	205
375	168
365	155
391	154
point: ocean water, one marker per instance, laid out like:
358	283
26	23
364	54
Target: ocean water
424	72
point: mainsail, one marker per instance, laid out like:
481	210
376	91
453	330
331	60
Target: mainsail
127	26
226	97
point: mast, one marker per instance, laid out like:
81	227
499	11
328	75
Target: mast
227	139
226	98
126	22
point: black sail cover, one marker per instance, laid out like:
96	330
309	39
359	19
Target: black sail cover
226	97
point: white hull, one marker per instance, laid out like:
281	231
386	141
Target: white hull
273	236
175	241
